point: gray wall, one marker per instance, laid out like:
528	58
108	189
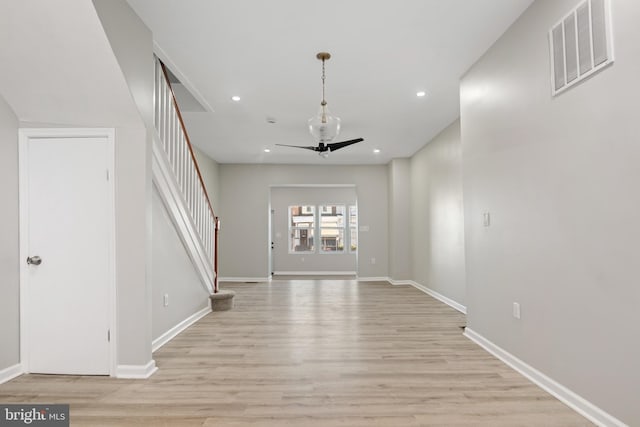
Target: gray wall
172	273
9	240
244	211
437	217
399	219
209	169
560	179
283	261
132	45
79	105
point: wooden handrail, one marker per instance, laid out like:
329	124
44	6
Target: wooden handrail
197	167
186	136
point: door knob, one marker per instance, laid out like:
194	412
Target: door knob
35	260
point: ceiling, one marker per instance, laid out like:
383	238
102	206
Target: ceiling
383	53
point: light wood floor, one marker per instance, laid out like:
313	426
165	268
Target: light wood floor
312	353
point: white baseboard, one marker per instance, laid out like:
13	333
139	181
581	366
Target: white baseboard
244	279
373	279
451	303
314	273
136	371
175	331
7	374
566	396
400	282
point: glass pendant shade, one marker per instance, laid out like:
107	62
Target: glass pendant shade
324	127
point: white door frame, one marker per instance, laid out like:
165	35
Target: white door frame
24	136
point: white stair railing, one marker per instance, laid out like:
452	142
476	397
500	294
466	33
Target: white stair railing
179	154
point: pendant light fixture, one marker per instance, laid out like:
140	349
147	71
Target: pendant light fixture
323	126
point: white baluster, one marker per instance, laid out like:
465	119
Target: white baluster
187	163
181	158
176	147
165	118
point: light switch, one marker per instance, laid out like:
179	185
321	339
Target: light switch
516	310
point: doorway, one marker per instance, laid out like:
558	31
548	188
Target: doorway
311	232
67	280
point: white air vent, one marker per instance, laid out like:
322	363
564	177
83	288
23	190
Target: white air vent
581	44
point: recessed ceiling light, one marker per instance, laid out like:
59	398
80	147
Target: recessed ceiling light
235	98
421	94
377	150
267	150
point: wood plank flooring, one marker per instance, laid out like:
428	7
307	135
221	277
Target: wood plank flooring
312	353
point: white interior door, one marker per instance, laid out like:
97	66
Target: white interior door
68	226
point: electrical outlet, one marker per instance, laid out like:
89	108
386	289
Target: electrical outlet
516	310
373	260
166	300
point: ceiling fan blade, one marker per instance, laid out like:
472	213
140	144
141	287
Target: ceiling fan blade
307	147
338	145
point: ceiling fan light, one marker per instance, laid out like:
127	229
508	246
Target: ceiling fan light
324	127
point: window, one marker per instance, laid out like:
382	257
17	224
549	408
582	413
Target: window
335	228
332	228
301	228
353	228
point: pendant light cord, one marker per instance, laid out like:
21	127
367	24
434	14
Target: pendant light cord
323	103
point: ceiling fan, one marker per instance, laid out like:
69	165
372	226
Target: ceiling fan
324	149
324	127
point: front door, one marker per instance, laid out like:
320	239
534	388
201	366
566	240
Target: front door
66	215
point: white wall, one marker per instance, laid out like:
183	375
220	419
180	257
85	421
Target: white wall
172	273
437	217
283	261
244	211
560	179
399	219
9	242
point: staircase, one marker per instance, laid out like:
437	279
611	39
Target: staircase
177	177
